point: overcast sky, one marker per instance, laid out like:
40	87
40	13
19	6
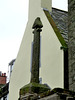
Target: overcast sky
13	19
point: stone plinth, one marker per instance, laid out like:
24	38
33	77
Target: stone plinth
29	91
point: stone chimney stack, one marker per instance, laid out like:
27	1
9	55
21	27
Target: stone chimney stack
47	4
35	6
71	43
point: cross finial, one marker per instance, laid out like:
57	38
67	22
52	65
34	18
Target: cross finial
36	50
37	23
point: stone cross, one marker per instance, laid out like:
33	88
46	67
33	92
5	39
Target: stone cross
36	50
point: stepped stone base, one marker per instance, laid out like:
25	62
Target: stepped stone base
55	94
31	90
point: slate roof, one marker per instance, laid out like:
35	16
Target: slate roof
12	62
61	20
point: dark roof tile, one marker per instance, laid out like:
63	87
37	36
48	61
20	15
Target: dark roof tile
61	20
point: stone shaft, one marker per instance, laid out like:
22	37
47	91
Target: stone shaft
35	57
71	43
36	50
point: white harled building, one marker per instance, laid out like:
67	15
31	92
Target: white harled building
52	44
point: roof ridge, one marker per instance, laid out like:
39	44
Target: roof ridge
60	10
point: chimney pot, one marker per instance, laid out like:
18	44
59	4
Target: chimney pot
4	74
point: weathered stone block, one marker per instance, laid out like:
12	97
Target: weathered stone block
51	97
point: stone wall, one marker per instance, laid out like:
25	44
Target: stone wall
71	43
55	96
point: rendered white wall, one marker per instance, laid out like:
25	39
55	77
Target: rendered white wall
51	69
